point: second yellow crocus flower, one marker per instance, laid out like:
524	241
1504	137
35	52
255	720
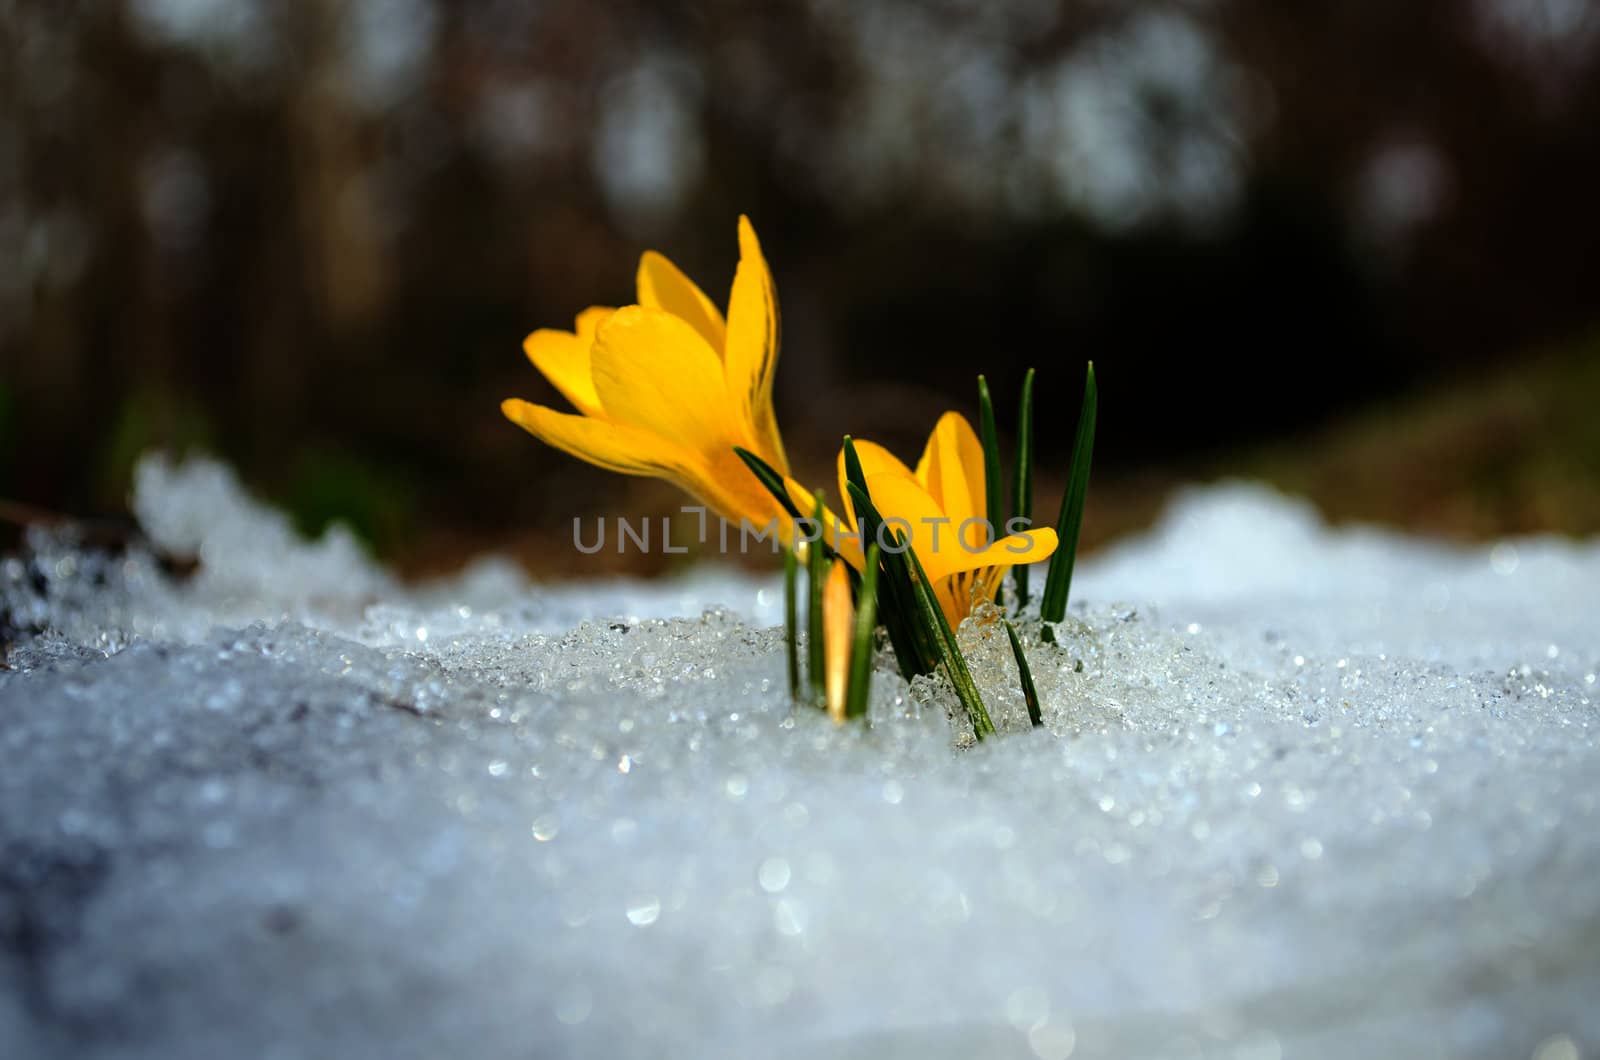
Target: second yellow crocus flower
940	507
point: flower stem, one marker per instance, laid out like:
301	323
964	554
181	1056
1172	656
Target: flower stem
861	651
791	620
814	569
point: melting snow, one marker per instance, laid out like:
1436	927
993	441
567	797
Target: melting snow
1303	792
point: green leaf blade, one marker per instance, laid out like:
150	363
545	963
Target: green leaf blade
913	646
815	667
860	687
1058	583
1029	693
791	619
912	649
768	477
993	470
1022	479
955	664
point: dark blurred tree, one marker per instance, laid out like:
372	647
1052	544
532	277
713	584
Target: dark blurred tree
324	227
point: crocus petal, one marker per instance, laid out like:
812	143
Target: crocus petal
751	354
613	446
723	485
907	508
955	597
951	469
653	371
589	321
662	285
838	624
1029	547
962	591
563	358
722	482
933	533
875	460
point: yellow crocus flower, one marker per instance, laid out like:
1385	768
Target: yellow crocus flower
941	507
666	388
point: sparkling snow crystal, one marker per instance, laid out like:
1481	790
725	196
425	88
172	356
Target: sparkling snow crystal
1302	792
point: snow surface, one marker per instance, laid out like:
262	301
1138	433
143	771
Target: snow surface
1304	792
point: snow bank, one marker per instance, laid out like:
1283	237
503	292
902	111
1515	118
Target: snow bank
1303	792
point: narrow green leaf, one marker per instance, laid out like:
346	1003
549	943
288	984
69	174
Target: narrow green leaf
993	469
898	607
773	481
791	619
1057	585
852	465
1029	693
815	570
993	472
897	610
1022	482
768	478
913	646
860	687
906	655
955	664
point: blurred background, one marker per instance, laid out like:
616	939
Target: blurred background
1350	248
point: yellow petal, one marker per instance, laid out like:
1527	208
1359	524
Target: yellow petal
754	520
723	483
875	460
751	354
653	371
662	285
589	322
933	533
563	358
614	446
955	599
1029	547
951	469
800	497
960	591
838	627
908	509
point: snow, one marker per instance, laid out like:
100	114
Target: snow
1303	792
